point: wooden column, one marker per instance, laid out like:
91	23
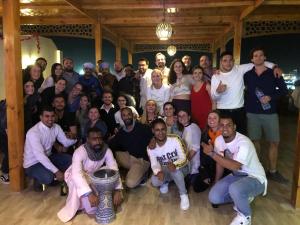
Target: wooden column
296	177
237	42
214	55
14	91
129	56
223	45
118	49
98	41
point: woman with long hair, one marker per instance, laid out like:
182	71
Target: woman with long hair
171	119
81	114
74	98
201	102
33	73
150	113
56	73
180	82
95	121
58	89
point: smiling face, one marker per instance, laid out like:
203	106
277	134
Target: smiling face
169	110
183	118
94	114
258	58
204	62
142	66
35	72
58	70
187	61
60	85
213	120
122	102
178	69
47	118
160	61
84	102
226	63
228	128
160	132
29	88
156	77
151	106
198	75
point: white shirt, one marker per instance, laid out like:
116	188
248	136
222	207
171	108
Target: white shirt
182	87
173	150
233	97
192	137
145	82
107	109
39	142
118	117
243	151
160	96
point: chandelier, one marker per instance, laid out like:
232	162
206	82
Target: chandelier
164	29
171	50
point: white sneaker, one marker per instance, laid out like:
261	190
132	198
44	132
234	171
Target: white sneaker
240	219
164	189
184	203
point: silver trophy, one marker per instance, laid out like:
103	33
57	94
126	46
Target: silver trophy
104	181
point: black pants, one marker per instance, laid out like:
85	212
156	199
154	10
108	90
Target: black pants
239	117
4	149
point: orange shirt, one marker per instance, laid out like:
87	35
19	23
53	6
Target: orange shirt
213	135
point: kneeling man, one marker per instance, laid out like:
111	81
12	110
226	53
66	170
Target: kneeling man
168	162
236	152
87	159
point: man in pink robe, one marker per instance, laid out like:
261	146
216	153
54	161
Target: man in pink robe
87	159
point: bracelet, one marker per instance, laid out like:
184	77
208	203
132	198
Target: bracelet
212	154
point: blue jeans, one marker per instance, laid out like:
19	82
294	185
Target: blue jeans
236	189
177	176
44	176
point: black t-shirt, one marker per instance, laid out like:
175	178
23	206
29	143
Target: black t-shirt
67	121
109	119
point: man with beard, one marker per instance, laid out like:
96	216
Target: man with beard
129	146
107	112
237	153
40	162
168	162
187	61
69	74
89	82
160	61
144	76
119	72
206	64
108	81
87	159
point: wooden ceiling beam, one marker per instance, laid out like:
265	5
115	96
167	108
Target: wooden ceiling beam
55	20
77	6
246	12
158	5
193	41
176	20
282	2
195	37
44	6
274	17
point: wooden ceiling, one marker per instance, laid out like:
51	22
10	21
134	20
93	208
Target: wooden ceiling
135	20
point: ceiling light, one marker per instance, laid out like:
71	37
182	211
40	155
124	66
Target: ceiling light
171	50
172	10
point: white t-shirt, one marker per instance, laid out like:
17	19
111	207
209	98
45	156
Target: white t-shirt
145	81
160	96
173	150
243	151
233	97
118	117
192	137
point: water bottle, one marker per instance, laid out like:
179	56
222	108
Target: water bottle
259	93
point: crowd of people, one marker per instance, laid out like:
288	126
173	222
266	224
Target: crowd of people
197	126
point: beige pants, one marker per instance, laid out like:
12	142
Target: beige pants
137	168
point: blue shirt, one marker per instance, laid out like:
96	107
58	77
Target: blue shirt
268	84
90	84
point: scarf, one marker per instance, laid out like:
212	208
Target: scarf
95	155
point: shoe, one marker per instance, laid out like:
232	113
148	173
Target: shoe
64	189
184	203
240	219
164	188
37	187
4	178
277	177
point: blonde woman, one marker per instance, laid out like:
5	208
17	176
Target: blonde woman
158	91
150	113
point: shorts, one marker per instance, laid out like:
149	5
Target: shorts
269	123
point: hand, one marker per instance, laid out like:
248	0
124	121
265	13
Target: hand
277	72
117	198
59	176
171	167
160	175
207	148
265	99
221	87
191	154
93	199
152	144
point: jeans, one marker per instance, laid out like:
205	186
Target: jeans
177	176
44	176
4	148
236	189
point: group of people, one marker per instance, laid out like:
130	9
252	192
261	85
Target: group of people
185	124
